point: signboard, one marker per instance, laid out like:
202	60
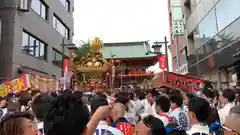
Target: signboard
183	69
20	84
177	81
4	89
42	83
178	27
14	86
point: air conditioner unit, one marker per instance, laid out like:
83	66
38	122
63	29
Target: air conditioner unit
24	5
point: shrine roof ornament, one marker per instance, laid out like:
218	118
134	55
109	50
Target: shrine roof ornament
96	45
124	50
93	61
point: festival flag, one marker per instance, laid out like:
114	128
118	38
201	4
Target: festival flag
162	60
66	65
66	70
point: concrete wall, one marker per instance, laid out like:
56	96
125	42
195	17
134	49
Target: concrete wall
7	14
37	26
177	44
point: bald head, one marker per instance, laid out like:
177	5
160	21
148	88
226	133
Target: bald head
118	111
233	119
119	108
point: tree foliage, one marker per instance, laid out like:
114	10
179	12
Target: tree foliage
83	50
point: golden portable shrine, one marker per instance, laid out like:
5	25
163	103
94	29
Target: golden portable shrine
92	71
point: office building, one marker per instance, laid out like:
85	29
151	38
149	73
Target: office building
178	43
213	43
33	32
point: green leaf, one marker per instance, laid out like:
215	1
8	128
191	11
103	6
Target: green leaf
83	50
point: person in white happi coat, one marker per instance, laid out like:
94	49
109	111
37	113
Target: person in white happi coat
103	127
227	97
162	109
130	113
149	103
178	114
199	110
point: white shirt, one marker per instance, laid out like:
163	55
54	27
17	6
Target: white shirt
225	111
3	112
130	115
197	128
148	109
163	119
102	123
23	108
89	108
139	108
40	128
180	116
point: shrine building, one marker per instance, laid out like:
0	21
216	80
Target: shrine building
135	58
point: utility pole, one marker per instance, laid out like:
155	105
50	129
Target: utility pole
157	48
166	51
63	57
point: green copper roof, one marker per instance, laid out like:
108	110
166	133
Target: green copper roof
126	51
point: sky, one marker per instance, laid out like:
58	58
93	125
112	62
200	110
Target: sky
121	20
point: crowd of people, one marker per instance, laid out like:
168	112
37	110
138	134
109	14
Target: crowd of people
131	112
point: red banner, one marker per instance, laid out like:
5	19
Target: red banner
14	86
66	65
162	60
20	84
181	82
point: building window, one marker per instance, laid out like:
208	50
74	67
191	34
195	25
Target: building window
177	13
227	12
176	2
57	58
40	8
66	4
207	28
60	27
34	46
183	54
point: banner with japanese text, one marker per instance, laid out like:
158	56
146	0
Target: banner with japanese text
43	83
162	60
14	86
177	81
